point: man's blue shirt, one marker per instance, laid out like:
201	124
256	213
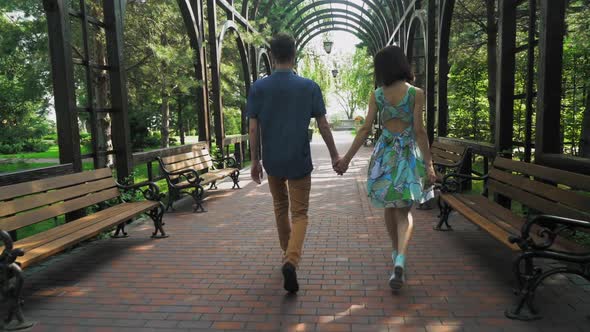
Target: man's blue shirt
284	104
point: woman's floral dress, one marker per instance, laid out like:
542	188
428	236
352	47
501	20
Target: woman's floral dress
397	174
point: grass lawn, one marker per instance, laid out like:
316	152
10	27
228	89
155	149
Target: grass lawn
21	166
52	153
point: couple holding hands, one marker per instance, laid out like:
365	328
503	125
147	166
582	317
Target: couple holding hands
281	107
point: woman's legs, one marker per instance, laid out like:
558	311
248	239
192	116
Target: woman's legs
400	227
405	228
391	224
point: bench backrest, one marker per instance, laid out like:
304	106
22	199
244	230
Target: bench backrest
31	202
198	160
544	189
447	154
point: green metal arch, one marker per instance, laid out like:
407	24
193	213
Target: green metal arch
305	27
232	26
359	33
383	28
190	22
369	28
393	5
332	28
418	20
263	56
375	6
327	26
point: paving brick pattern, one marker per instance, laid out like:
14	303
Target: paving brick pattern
221	271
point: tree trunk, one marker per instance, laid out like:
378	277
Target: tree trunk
165	129
585	137
492	32
180	121
101	94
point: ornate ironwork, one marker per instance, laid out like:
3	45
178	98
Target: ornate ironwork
151	192
452	184
12	280
530	276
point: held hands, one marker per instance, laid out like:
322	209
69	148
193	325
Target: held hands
340	165
256	171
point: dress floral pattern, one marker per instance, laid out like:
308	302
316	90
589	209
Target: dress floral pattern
397	174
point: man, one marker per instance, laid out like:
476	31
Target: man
282	105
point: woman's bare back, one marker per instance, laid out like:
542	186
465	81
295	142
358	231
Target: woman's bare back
394	95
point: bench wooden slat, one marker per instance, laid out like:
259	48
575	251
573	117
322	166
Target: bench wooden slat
52	234
538	188
185	156
38	186
125	212
35	201
536	202
494	230
34	216
438	160
446	155
483	206
508	221
196	164
570	179
449	147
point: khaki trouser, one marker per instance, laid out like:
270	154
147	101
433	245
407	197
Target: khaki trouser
293	193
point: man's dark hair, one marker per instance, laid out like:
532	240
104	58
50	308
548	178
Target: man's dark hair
391	65
282	47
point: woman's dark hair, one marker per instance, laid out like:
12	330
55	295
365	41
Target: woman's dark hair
282	47
391	65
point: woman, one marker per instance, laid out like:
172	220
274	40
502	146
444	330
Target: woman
399	174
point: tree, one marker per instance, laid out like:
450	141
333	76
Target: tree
354	82
159	61
312	67
24	76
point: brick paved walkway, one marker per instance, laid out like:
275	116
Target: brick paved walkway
221	271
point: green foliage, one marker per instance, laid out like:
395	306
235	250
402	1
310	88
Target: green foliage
355	83
233	88
575	119
311	66
469	109
24	76
160	69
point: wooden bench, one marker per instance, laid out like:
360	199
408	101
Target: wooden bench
447	159
187	173
555	203
32	202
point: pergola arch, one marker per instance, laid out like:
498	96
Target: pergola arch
373	5
264	57
359	33
343	28
306	26
231	26
382	26
417	25
242	48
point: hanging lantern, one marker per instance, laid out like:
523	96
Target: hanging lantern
334	72
328	46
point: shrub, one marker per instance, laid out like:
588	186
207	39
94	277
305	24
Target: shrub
152	141
86	141
35	146
11	148
51	137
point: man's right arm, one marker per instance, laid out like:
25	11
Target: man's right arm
324	127
256	169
